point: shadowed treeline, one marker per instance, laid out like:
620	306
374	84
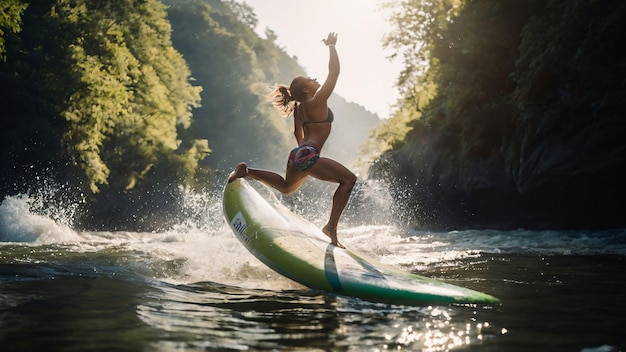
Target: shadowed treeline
513	113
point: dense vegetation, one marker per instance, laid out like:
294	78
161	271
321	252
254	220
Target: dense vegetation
96	95
231	62
513	113
121	103
237	69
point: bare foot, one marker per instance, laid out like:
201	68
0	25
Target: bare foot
332	233
240	171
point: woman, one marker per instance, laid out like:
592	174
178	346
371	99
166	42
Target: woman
308	100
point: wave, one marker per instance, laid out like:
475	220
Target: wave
19	223
203	248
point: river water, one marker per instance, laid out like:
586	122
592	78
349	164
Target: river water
194	287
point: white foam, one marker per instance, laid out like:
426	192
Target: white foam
19	223
203	247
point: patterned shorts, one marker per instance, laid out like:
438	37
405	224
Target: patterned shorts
303	157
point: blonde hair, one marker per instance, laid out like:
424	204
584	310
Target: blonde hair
284	98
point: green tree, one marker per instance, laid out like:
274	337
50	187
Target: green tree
133	93
97	97
459	56
513	98
10	19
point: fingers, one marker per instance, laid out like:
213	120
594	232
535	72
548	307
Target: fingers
331	39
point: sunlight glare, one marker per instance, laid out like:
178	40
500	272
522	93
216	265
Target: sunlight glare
361	30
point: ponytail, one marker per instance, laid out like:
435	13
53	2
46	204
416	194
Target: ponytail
282	99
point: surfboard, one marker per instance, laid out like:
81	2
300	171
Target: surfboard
299	250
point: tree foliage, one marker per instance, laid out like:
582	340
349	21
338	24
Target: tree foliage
459	55
10	19
119	100
97	95
133	91
513	94
109	71
570	78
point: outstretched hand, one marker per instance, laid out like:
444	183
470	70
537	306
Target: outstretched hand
331	39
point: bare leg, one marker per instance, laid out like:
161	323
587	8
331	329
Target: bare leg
324	169
288	185
330	170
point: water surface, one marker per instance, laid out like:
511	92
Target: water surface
195	288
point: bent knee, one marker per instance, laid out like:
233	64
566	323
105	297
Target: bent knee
350	181
289	190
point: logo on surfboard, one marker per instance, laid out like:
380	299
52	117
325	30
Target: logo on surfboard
239	224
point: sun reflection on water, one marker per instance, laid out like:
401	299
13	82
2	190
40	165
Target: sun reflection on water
437	332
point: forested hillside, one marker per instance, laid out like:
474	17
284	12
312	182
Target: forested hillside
94	98
236	69
122	104
230	61
513	113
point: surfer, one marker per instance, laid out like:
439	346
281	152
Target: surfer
308	101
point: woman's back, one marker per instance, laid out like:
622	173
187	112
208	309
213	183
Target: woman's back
316	127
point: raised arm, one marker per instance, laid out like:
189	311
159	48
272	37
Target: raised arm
333	70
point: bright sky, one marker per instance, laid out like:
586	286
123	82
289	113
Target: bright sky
367	75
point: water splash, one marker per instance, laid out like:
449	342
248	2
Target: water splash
25	219
201	247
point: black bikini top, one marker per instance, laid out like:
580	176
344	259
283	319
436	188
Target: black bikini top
329	119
